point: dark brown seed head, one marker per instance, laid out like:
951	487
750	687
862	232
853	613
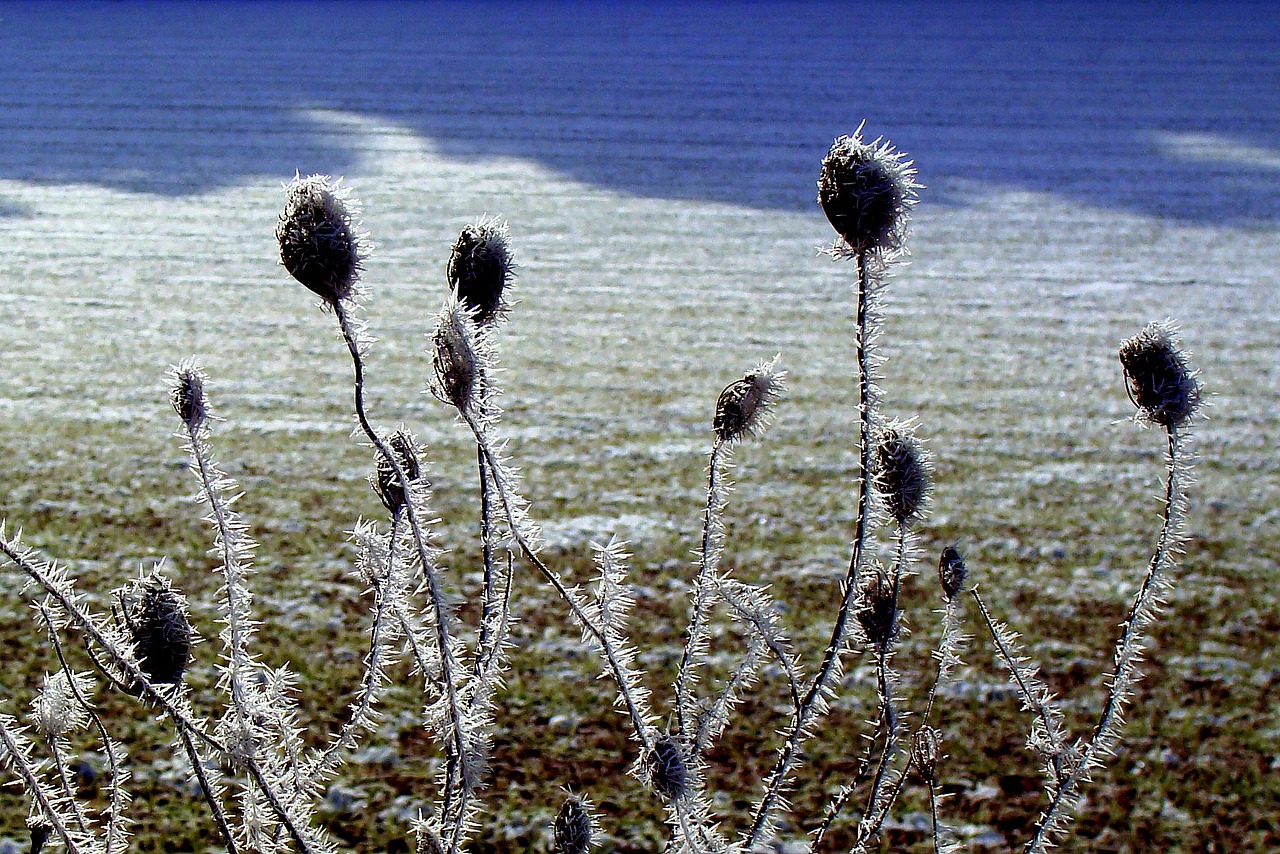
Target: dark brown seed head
162	636
668	771
384	479
480	269
879	613
574	827
428	841
867	190
1160	383
902	473
925	748
455	358
320	242
951	572
187	394
746	405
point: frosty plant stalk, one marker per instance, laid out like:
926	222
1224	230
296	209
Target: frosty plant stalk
258	770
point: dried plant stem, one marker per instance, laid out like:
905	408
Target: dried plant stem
1128	652
17	748
813	704
207	790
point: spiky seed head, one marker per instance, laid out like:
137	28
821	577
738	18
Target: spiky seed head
925	748
162	636
1160	383
40	830
384	480
879	614
456	358
668	768
321	244
56	711
746	405
574	827
480	269
187	394
428	840
867	190
902	473
951	572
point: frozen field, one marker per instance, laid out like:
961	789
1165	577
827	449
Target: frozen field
1088	168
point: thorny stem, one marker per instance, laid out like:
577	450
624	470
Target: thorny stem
486	544
702	601
788	755
36	787
1127	649
456	745
206	789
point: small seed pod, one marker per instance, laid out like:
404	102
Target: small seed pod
951	572
902	473
879	616
384	480
457	359
746	405
1159	381
428	840
480	269
40	830
668	770
320	242
867	191
925	750
156	614
574	827
56	710
187	394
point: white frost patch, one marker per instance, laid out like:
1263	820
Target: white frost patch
1214	148
577	531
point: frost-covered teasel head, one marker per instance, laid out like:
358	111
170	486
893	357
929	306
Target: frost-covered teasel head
669	769
879	613
156	614
574	828
1160	383
951	572
384	480
925	750
745	407
481	269
321	244
459	356
56	710
902	472
867	190
187	394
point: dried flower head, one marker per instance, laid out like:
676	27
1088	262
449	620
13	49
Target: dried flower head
384	480
746	405
56	710
321	244
951	571
458	356
668	768
428	840
1159	381
156	614
40	830
574	828
879	613
867	189
925	750
902	472
480	269
187	394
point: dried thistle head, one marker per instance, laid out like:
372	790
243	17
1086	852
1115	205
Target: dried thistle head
428	840
1159	381
321	244
187	394
745	407
879	613
867	190
925	751
574	828
459	354
668	768
480	269
951	572
384	480
902	472
56	710
156	615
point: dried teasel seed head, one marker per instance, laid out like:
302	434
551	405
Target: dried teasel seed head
458	356
40	830
668	768
321	244
156	613
574	828
879	614
428	840
951	571
187	394
925	752
746	405
902	473
384	480
1159	381
56	711
867	190
480	269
